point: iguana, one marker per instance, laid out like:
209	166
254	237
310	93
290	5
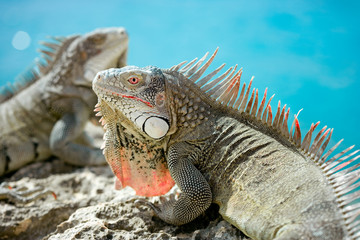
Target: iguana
220	144
46	112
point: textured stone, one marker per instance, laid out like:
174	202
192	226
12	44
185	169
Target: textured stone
88	207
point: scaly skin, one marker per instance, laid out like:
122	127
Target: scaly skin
266	181
48	116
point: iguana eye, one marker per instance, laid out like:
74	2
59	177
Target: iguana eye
133	80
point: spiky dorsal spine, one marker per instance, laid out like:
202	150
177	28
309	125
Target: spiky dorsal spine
225	89
41	66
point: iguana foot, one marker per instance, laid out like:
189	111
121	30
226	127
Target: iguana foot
164	209
22	195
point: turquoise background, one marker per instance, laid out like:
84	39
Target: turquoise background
306	52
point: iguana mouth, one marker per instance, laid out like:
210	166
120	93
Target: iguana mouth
121	60
119	63
114	91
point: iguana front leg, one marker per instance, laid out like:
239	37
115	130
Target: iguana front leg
66	130
196	194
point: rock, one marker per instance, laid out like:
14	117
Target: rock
88	207
125	221
81	188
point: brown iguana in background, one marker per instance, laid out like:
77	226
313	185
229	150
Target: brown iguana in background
46	114
224	147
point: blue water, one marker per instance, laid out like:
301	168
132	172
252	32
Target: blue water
307	52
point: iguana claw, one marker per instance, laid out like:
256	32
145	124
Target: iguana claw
164	209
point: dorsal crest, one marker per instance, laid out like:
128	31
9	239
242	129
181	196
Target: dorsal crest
41	66
225	89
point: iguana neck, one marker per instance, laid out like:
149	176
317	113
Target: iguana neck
188	107
197	116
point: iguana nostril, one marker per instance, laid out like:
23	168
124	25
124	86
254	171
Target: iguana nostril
97	79
123	32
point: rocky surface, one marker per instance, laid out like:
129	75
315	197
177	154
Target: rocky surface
88	207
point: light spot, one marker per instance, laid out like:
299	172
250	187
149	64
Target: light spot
21	40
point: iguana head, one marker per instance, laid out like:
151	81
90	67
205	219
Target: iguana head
73	61
134	113
98	50
139	94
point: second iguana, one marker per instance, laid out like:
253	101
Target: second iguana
45	113
220	143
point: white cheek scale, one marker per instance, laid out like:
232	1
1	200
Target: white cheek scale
140	121
156	127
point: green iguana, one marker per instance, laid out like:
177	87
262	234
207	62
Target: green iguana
46	114
223	145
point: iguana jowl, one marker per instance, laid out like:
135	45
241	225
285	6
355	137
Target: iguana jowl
48	113
225	147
